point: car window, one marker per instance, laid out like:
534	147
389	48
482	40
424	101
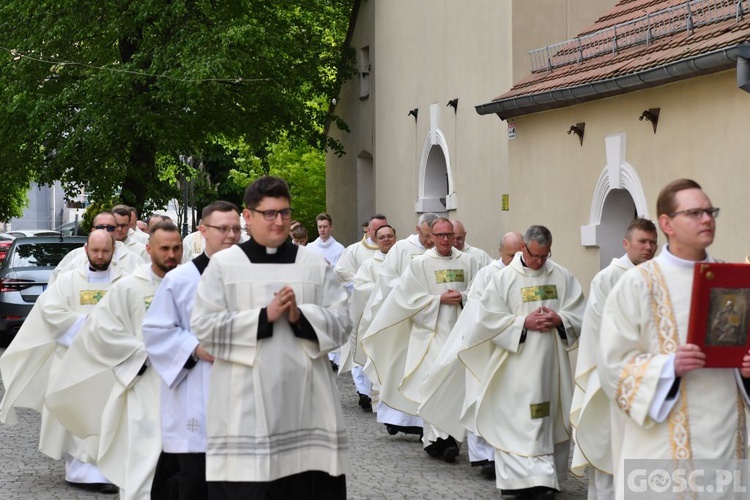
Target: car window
46	254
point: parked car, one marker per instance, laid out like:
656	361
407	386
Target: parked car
72	228
24	275
6	240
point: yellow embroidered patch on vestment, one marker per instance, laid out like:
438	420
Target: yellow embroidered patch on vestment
449	276
148	300
539	410
537	293
91	297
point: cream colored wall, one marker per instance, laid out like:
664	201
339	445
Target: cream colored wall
423	53
538	23
702	134
341	173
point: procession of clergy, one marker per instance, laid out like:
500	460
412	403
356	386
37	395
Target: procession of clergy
212	379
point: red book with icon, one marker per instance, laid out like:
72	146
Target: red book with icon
720	313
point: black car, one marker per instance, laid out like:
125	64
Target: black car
24	275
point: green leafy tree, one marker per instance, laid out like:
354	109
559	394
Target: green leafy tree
108	94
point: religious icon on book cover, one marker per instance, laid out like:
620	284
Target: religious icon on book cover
728	313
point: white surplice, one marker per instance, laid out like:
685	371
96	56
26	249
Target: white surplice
102	392
169	343
523	407
352	258
482	257
274	408
645	318
331	249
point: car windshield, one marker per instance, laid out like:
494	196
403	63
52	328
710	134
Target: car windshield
45	254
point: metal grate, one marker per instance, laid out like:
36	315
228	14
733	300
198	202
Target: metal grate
643	30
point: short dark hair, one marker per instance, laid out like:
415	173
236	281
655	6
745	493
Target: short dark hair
376	216
665	202
219	206
324	216
166	226
641	224
381	227
299	232
122	211
266	186
134	211
538	234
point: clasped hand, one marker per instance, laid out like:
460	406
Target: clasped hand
542	320
451	297
284	302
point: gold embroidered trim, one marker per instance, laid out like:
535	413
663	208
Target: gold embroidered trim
540	410
148	300
91	297
630	380
666	325
537	293
449	276
741	429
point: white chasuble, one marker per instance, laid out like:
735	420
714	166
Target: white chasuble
591	429
645	319
104	391
31	362
406	336
523	406
274	407
352	258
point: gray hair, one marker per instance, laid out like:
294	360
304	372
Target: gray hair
538	234
427	218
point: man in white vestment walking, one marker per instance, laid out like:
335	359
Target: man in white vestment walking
482	257
360	310
355	254
529	318
664	406
269	312
325	244
398	259
406	336
450	389
592	428
108	389
123	217
183	364
32	361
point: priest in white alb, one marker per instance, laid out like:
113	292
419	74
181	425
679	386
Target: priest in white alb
482	257
269	312
357	253
664	404
32	361
589	413
529	318
405	338
184	365
107	389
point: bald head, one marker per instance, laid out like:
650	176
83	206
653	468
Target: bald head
100	247
510	243
460	231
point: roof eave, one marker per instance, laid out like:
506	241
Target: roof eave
702	64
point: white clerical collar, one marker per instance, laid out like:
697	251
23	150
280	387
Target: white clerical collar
669	258
271	250
155	278
98	276
325	244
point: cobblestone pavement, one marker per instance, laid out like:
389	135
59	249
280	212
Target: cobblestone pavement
384	466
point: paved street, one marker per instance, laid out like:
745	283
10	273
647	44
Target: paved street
385	467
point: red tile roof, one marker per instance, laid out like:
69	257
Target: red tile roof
634	37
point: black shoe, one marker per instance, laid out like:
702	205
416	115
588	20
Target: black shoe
450	454
488	470
433	450
392	429
543	493
108	489
365	402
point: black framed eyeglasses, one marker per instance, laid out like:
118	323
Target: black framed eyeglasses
270	215
442	236
109	227
697	213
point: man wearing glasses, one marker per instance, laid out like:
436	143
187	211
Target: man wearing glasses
405	338
668	407
529	317
122	226
269	312
125	260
